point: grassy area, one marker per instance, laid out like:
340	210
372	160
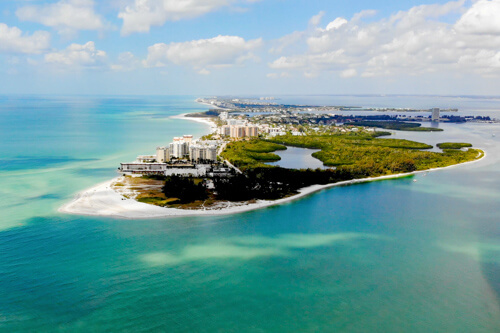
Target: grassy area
252	153
453	145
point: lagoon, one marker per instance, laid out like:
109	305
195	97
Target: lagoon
298	158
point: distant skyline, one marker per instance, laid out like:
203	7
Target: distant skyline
260	47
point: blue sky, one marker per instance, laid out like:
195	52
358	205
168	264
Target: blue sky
210	47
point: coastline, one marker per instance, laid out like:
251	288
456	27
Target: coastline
212	106
205	120
102	200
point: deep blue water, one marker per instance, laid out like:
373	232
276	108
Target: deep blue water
387	256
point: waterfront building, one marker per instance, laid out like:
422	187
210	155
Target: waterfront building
223	115
146	158
164	169
162	154
239	131
435	114
225	130
252	131
200	152
179	148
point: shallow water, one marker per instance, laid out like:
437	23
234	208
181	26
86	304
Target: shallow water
387	256
298	158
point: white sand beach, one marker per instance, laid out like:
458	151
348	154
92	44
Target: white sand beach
207	120
102	200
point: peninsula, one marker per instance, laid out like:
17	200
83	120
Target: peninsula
227	170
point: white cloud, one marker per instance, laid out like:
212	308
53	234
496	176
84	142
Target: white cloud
12	40
336	24
363	14
349	73
482	18
141	15
316	19
66	16
412	42
78	56
217	52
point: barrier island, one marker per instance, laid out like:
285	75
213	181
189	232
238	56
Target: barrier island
227	171
351	156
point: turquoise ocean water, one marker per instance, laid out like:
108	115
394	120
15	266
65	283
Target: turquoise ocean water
387	256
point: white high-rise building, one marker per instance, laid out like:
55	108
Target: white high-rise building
435	114
203	152
162	154
179	149
223	115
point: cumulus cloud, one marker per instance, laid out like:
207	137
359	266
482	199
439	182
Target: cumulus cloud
412	42
481	18
141	15
77	56
220	51
12	40
66	16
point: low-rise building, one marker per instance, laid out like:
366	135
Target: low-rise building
164	169
146	159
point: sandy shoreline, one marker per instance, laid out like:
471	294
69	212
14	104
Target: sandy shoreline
207	121
102	200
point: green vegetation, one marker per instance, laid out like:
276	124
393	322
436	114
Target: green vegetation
453	145
359	153
397	125
158	201
185	189
363	154
252	153
207	114
355	155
